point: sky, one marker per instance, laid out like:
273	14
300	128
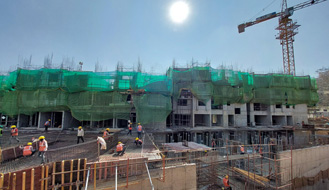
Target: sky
125	31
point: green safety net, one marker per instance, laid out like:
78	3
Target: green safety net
152	107
96	106
95	96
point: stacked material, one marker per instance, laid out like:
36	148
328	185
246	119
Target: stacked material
254	177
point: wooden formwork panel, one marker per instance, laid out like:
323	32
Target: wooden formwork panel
46	176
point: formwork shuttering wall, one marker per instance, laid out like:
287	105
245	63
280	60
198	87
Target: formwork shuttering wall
95	96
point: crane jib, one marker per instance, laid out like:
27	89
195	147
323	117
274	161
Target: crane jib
267	16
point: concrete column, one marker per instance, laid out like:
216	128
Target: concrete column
225	119
39	120
63	119
194	137
18	121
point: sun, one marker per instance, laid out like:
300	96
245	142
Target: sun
179	11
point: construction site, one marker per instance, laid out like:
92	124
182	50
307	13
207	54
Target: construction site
194	120
191	127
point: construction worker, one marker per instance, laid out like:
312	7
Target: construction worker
226	183
28	150
130	128
138	141
205	153
106	133
80	135
121	149
14	133
213	144
261	152
139	130
43	146
242	149
1	134
47	124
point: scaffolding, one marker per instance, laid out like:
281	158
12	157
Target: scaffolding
97	96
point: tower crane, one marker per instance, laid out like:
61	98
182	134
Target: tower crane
287	30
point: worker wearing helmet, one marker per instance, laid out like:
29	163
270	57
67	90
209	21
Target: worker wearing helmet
139	130
47	124
226	183
130	128
43	147
28	150
121	148
106	133
14	133
81	134
138	141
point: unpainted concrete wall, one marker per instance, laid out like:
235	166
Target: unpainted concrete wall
306	162
177	178
323	184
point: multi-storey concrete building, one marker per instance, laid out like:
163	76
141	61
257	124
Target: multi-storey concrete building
196	104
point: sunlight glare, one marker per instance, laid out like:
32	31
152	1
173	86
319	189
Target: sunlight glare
179	11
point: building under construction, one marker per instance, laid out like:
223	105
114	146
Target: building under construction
195	119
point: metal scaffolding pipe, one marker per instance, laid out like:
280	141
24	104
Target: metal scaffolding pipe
116	177
86	187
148	172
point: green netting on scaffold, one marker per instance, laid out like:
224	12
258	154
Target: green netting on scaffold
95	96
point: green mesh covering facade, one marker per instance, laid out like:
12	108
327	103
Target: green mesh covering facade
95	96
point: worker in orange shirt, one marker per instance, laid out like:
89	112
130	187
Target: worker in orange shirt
120	149
43	147
130	128
106	133
226	183
139	130
14	133
28	150
242	149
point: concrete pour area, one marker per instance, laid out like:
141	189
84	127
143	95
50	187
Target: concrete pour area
147	150
57	140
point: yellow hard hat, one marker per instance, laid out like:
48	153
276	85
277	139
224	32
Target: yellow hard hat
205	151
80	127
107	129
226	176
130	123
13	126
41	137
29	143
49	120
137	139
139	123
119	142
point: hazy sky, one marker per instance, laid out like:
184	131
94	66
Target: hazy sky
109	31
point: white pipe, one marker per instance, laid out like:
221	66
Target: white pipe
86	187
149	175
116	177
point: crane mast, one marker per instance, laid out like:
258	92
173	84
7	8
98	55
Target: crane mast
287	30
